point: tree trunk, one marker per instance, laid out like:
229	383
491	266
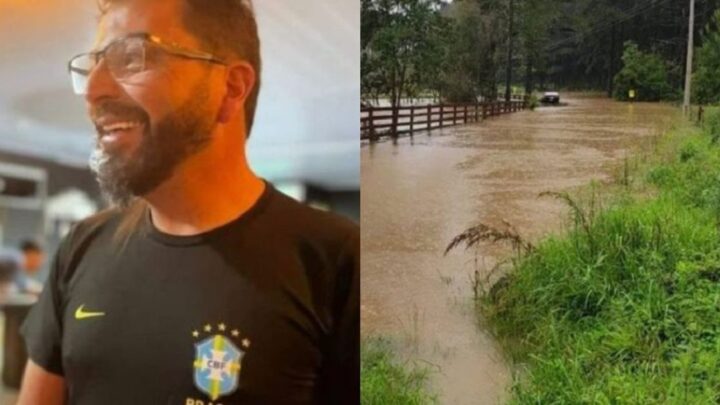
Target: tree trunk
508	69
394	103
611	63
529	77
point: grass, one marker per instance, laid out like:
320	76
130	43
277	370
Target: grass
624	308
385	380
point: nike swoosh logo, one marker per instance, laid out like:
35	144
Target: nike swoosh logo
81	314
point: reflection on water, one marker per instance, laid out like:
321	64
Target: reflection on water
418	193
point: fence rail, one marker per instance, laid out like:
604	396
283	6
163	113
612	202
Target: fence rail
380	121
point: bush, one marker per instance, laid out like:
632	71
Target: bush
711	124
533	102
643	72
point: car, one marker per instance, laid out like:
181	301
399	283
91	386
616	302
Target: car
550	97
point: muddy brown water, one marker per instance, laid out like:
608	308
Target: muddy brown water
419	192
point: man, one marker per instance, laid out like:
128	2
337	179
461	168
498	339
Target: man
205	285
17	267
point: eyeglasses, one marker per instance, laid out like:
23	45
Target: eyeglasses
128	56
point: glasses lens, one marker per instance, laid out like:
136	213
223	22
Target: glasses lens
126	58
80	68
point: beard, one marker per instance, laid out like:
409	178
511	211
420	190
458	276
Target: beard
124	176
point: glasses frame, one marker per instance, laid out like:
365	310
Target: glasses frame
167	46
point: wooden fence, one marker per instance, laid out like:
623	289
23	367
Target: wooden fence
381	121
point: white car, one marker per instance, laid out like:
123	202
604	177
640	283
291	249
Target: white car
550	97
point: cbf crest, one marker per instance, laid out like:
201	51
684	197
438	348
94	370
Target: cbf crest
218	362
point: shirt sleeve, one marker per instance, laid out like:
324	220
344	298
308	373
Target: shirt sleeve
42	329
340	383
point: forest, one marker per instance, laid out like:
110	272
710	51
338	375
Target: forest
465	50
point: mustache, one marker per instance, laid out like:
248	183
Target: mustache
118	109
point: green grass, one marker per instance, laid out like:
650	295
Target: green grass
384	380
625	307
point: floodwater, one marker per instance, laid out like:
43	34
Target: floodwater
418	193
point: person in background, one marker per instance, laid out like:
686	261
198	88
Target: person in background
17	268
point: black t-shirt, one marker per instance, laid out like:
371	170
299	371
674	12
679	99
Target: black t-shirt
263	310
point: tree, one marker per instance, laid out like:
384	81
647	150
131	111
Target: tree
584	47
535	18
645	73
401	50
707	74
471	57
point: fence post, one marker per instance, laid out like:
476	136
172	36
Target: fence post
394	121
465	118
371	122
412	118
454	114
428	120
442	113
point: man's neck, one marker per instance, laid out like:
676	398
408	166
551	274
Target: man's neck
204	196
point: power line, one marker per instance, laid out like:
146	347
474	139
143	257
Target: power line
628	14
633	12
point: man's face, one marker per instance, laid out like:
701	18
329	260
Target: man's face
33	260
149	123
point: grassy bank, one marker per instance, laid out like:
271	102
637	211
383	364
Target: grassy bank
385	380
624	307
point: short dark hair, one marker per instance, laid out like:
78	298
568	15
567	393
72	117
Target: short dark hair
228	29
28	245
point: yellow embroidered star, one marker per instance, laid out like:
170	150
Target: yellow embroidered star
195	333
208	328
221	327
235	333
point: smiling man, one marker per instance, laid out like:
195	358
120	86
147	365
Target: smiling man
203	285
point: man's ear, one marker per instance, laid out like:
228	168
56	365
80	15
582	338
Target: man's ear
239	82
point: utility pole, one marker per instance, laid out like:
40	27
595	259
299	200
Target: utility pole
688	66
508	69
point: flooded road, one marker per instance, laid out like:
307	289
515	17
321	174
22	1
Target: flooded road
421	192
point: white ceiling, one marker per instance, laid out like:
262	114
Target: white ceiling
308	115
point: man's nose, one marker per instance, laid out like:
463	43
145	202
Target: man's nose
101	84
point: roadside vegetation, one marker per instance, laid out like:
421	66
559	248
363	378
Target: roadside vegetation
645	74
625	306
386	380
651	76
